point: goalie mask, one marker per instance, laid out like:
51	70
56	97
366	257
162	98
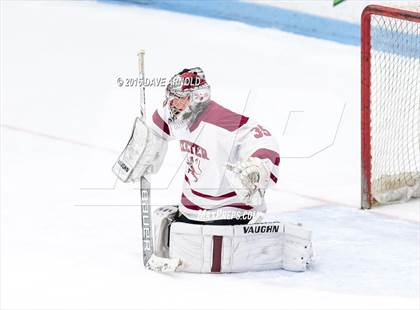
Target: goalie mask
187	95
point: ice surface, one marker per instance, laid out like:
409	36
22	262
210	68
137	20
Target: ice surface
70	235
348	10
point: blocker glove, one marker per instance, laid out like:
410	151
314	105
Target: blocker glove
254	177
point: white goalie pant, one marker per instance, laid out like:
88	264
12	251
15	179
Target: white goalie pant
238	248
232	248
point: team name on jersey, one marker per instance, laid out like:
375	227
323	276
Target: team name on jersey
261	229
193	148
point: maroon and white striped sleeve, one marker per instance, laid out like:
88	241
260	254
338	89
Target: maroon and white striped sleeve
257	141
271	159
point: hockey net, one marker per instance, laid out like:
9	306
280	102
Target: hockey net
390	105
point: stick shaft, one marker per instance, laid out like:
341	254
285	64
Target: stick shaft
140	56
146	216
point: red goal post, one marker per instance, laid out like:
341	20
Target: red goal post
390	104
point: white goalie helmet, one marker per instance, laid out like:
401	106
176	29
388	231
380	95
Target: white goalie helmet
187	94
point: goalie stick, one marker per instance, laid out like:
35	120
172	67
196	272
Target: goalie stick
150	260
146	222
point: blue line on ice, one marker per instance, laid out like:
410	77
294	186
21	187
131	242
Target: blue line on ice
296	22
262	16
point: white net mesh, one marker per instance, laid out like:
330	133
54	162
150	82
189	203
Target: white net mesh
395	109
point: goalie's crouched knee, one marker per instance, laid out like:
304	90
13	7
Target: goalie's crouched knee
231	248
163	217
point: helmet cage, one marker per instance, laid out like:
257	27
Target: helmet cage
189	82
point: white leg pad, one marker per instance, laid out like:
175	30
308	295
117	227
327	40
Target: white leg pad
297	249
252	247
162	219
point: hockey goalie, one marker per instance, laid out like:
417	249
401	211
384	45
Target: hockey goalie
230	162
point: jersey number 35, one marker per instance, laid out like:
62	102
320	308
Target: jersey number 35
260	131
